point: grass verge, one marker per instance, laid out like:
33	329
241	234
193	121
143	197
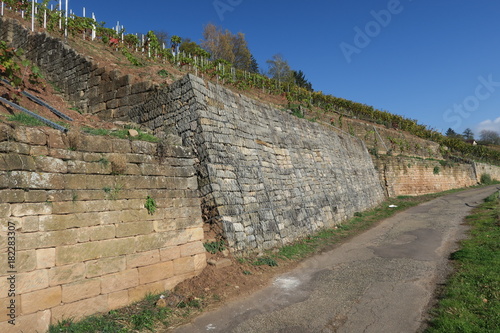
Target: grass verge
25	119
470	301
146	316
122	134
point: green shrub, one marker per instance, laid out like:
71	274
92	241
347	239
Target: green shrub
486	179
265	261
214	247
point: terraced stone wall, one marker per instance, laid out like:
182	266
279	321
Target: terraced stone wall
90	87
266	177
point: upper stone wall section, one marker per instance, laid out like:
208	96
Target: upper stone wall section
87	85
265	176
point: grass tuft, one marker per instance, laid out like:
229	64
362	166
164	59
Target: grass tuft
25	119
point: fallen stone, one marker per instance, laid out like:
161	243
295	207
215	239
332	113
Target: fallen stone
133	133
219	263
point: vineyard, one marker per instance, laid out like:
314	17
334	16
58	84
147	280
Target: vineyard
141	50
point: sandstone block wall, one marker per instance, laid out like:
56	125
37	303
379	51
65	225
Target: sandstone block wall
84	241
492	170
91	88
412	176
265	176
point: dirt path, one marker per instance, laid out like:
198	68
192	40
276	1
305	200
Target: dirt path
381	281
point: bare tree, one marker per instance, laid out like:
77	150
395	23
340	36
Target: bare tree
489	137
279	69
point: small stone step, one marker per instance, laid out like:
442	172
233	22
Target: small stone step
219	263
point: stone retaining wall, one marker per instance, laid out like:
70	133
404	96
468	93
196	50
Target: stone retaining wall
266	177
412	176
91	88
84	241
492	170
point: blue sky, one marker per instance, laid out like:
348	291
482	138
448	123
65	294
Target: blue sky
434	61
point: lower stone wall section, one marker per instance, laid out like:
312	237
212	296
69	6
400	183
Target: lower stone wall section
84	241
412	176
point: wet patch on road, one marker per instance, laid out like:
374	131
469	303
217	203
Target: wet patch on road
420	244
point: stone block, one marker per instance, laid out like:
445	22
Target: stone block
5	210
31	281
101	232
54	140
68	221
66	274
14	147
27	224
143	259
17	162
170	253
45	258
183	265
221	263
165	225
200	262
35	322
118	299
25	209
192	249
5	302
48	239
138	293
121	146
50	164
11	196
104	266
143	147
81	290
80	309
119	281
40	300
134	228
94	250
156	272
96	144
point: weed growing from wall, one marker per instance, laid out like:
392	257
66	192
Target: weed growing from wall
150	205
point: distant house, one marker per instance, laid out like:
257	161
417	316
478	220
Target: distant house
472	142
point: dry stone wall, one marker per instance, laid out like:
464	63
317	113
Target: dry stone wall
265	176
486	169
84	241
83	82
412	176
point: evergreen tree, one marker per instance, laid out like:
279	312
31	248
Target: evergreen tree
300	80
468	134
254	66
